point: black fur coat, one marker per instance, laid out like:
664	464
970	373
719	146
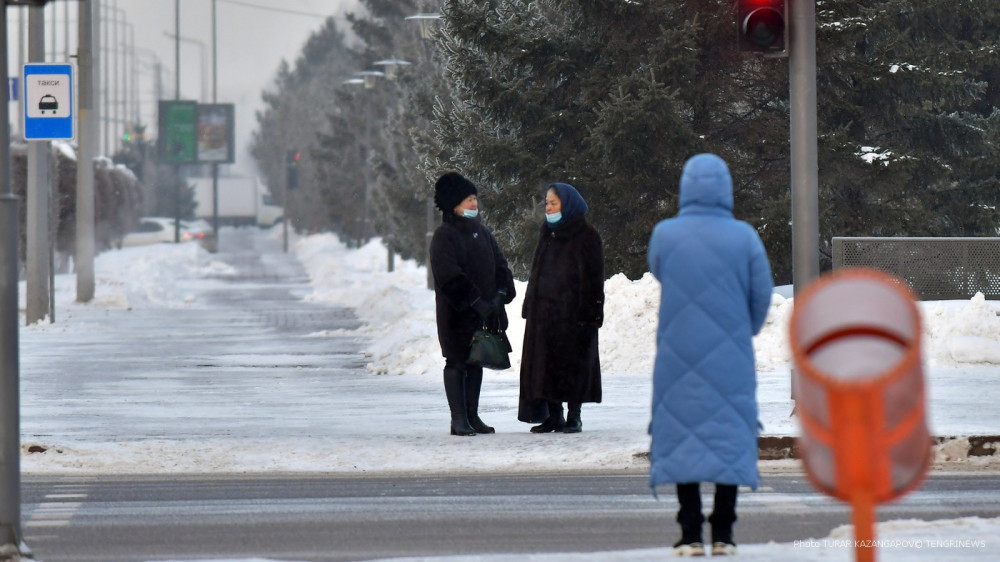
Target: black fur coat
563	308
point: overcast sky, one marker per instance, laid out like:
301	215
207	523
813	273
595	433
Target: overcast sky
253	37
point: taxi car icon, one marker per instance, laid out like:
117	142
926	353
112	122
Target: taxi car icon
48	103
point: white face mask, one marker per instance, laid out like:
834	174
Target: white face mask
554	217
470	213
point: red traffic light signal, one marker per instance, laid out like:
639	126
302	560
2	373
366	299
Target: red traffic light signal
762	26
292	158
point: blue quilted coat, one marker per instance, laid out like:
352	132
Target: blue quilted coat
715	292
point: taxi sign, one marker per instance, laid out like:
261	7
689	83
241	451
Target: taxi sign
49	101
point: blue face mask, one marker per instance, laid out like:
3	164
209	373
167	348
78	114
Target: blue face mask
554	217
470	213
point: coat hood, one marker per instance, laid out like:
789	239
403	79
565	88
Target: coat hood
705	182
573	204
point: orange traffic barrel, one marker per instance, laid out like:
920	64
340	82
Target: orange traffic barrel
855	338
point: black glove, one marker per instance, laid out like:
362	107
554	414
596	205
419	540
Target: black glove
484	309
500	320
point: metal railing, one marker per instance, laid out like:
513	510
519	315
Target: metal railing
934	268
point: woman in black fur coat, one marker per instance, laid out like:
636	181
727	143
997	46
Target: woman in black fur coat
563	308
472	283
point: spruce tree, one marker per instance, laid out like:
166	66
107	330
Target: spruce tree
611	97
905	130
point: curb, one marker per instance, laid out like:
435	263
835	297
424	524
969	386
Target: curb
777	448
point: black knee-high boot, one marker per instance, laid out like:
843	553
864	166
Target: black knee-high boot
473	385
454	389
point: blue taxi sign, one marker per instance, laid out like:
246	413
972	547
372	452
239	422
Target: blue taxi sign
49	101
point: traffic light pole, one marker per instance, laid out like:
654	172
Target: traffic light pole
10	422
12	546
804	162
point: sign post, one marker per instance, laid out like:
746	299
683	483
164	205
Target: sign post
49	101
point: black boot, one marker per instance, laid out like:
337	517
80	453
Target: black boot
722	519
554	422
473	384
454	389
691	519
573	422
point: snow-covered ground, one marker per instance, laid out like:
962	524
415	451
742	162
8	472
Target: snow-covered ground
961	358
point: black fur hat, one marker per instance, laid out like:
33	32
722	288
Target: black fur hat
451	189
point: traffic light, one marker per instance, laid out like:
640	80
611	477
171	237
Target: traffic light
292	158
762	26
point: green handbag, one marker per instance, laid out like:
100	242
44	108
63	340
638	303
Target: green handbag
489	350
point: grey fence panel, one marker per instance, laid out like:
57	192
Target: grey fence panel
934	268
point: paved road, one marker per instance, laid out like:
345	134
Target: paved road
322	518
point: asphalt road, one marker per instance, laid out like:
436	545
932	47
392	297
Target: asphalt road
323	518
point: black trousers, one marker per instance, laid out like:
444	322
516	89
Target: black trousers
723	511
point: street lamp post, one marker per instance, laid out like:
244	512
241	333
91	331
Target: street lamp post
367	79
204	67
427	23
215	165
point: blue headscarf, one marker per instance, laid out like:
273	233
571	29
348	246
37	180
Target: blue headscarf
573	204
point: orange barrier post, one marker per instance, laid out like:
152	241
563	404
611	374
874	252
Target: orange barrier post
855	339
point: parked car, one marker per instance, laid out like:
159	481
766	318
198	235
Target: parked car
155	230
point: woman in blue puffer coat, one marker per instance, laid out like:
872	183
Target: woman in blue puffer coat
715	292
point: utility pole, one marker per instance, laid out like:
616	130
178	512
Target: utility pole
177	97
215	165
11	542
10	438
804	161
105	65
88	140
37	210
114	50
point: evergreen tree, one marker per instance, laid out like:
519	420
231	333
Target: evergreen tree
294	114
905	124
611	97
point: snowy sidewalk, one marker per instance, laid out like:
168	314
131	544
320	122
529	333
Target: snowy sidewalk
246	361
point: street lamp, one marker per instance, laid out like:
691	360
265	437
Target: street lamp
391	66
426	21
367	79
204	72
112	47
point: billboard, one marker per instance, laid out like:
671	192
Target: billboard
177	142
216	133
